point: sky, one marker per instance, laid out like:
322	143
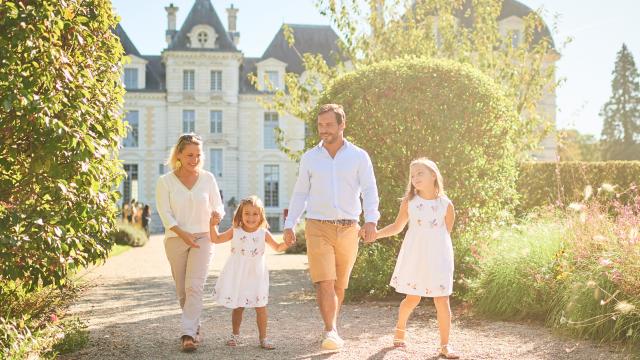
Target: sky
597	30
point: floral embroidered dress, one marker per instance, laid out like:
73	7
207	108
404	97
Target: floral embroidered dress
425	262
244	280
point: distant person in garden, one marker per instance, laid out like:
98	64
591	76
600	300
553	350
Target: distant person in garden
244	280
125	213
332	177
425	263
132	211
146	218
187	198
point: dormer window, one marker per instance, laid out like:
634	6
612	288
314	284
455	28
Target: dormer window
274	79
203	37
131	78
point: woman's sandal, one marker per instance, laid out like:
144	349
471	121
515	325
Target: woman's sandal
188	343
234	340
267	344
447	352
400	343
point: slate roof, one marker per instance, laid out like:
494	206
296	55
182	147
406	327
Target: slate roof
127	44
202	12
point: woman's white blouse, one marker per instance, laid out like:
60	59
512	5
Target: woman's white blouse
189	209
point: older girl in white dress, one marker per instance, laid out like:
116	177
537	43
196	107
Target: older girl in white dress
244	280
425	263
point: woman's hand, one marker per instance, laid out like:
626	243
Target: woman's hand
188	239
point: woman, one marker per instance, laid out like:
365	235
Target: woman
187	198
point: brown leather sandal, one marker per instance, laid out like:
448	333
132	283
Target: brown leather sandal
188	343
400	343
447	352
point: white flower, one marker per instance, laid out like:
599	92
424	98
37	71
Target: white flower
577	207
607	188
624	307
588	191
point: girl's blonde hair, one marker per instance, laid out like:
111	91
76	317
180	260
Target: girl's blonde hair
432	167
183	141
253	201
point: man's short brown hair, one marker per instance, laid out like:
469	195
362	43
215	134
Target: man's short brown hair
334	108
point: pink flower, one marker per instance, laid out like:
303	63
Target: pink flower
53	318
604	262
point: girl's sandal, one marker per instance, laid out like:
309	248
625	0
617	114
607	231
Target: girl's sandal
399	343
234	340
267	344
188	343
447	352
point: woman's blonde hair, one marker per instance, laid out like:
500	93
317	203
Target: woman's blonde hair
253	201
183	141
433	168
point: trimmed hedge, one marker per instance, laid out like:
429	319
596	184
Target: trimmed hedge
561	183
452	113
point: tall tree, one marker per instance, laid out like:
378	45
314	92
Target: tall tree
621	128
60	126
465	31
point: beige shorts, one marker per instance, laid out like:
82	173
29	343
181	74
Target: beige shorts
332	251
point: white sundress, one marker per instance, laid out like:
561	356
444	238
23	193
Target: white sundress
244	280
425	262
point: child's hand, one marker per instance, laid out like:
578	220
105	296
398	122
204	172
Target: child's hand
361	233
215	218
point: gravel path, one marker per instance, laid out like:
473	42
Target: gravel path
132	313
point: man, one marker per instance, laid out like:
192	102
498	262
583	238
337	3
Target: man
332	177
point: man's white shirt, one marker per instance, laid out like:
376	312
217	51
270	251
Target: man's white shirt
331	188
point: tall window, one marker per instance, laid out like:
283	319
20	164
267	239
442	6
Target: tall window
270	125
271	185
188	121
215	159
274	78
216	80
130	78
132	135
215	119
130	184
188	80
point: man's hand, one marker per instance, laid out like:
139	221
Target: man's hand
369	232
289	237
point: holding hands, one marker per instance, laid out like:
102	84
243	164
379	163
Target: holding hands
215	218
368	232
289	237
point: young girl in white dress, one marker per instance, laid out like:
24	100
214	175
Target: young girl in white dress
244	280
425	263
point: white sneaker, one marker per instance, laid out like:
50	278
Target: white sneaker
331	340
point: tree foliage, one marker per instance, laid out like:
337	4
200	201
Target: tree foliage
455	115
461	30
60	124
621	128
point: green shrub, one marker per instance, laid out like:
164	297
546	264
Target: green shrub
300	247
76	336
576	268
516	270
404	109
131	235
600	295
561	183
33	322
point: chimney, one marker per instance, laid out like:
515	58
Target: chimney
172	10
232	18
